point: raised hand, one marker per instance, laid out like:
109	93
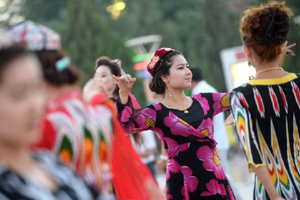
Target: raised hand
229	120
125	82
287	49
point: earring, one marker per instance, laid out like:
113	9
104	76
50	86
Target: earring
170	95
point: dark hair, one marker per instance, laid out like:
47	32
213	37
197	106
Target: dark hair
197	74
157	85
9	54
114	68
265	28
48	59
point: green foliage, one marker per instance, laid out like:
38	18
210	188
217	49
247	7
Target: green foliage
43	10
199	29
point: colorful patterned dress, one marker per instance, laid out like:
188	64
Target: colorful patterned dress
267	115
80	135
193	170
14	186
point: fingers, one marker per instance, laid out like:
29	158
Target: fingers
128	78
229	120
289	51
116	78
291	46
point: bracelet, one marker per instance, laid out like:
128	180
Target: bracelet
163	157
124	93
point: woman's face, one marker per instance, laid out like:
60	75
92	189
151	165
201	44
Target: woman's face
180	76
104	80
21	101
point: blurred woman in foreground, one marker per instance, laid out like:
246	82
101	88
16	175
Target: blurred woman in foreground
24	175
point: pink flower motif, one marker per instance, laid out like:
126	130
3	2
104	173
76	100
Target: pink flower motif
203	102
173	167
159	133
211	161
206	128
190	182
172	144
126	113
134	102
146	118
157	106
177	126
221	102
169	196
214	188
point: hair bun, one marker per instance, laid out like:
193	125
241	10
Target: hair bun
274	28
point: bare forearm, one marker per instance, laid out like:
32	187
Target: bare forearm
265	179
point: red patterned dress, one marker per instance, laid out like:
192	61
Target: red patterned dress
80	135
89	139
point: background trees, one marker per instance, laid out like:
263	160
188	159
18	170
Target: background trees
199	29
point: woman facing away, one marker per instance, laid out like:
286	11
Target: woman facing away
184	126
24	175
267	109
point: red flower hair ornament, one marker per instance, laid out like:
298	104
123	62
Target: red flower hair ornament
157	56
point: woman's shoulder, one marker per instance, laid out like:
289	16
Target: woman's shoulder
242	88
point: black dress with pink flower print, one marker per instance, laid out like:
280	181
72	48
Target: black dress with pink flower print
194	170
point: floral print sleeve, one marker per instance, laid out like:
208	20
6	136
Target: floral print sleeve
247	137
135	122
218	101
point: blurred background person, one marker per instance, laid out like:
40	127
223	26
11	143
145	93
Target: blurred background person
24	175
266	109
78	133
145	145
103	82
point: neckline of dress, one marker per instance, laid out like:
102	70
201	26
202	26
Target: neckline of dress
177	109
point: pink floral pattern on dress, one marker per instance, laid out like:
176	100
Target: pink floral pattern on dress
206	128
174	147
159	133
177	126
188	140
221	102
211	161
203	102
173	167
190	182
157	106
145	120
127	112
214	188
